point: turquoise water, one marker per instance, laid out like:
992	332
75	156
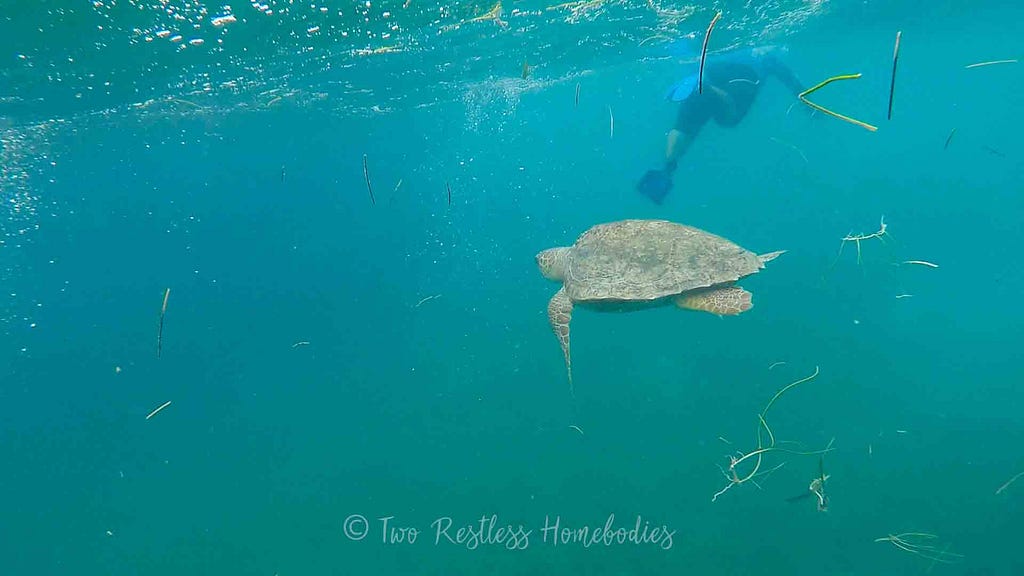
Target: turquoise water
326	357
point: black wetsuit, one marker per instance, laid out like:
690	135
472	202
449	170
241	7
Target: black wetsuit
741	79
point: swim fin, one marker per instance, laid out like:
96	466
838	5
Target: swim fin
655	184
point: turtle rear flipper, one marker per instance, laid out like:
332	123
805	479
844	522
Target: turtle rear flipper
728	301
560	314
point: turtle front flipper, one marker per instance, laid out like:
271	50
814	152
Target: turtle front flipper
727	301
560	314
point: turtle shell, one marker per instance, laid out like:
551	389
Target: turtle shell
638	260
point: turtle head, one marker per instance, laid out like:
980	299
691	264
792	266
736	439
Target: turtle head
552	263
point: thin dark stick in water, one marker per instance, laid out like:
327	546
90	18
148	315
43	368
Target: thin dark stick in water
160	329
949	138
704	53
892	83
366	174
576	103
449	187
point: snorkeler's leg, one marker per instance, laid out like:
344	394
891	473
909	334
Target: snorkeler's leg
678	143
670	146
656	183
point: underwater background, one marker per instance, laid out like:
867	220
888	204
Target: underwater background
328	358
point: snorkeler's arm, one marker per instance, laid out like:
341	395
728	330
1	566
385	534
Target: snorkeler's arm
775	67
724	99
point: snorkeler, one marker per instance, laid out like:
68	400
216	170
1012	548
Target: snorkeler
731	81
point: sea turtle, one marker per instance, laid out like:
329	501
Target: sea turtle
633	264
